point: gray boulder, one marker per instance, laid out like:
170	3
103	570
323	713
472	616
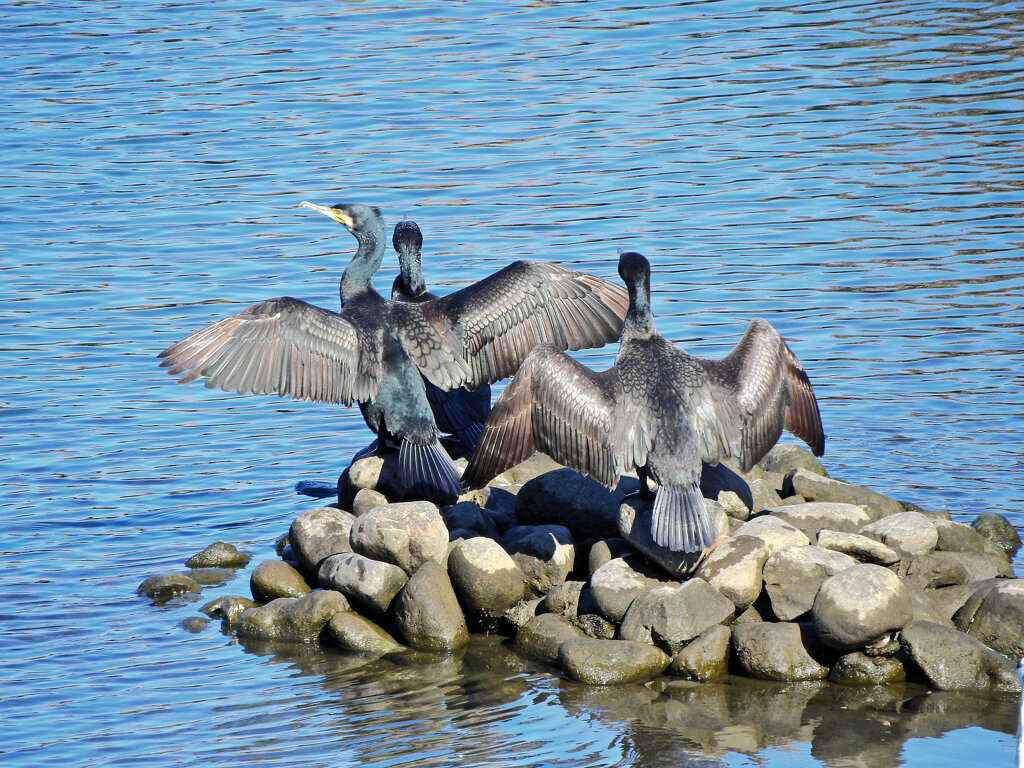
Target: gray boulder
545	554
776	533
469	515
406	534
950	660
319	533
779	651
273	579
292	619
605	550
485	577
370	584
924	607
231	609
858	668
984	565
565	497
355	633
998	619
951	600
722	483
167	586
634	523
783	458
812	517
617	583
814	487
605	662
367	499
427	612
564	599
960	537
536	465
670	617
211	577
735	568
909	533
933	569
792	577
706	657
541	636
998	530
520	613
766	494
220	554
858	547
859	606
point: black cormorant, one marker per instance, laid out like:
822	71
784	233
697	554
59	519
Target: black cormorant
460	412
657	409
374	351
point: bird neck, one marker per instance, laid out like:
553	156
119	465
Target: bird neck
411	274
639	320
360	271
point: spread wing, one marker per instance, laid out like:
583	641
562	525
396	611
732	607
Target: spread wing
771	390
498	320
284	347
558	406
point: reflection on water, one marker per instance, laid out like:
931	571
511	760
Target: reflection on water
849	171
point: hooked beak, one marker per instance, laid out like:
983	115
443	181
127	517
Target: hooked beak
332	213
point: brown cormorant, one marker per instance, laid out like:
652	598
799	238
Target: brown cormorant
657	409
377	352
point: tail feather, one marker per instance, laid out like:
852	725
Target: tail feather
428	472
680	520
469	433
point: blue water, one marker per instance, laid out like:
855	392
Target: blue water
850	171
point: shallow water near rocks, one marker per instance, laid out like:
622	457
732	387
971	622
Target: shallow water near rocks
848	171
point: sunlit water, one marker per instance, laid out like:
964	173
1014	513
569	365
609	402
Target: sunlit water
849	171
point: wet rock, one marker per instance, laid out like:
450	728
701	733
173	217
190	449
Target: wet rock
220	554
779	651
545	554
670	617
858	668
951	660
565	497
998	530
167	586
776	533
195	624
792	577
605	662
406	534
817	488
520	613
319	533
735	568
785	457
634	523
924	607
273	579
909	533
370	584
998	620
486	579
616	583
212	608
933	570
367	499
595	625
812	517
859	605
211	577
541	636
231	609
468	515
605	550
427	612
706	657
292	619
564	599
355	633
983	565
858	547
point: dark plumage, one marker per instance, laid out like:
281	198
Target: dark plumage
460	412
657	409
377	352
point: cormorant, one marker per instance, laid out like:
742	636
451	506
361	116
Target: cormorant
460	412
657	409
377	352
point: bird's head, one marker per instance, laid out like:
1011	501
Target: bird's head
407	236
633	268
353	216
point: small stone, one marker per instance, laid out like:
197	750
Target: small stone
485	577
735	568
355	633
160	589
670	617
370	584
292	619
909	533
367	499
195	624
706	658
273	579
567	498
813	517
792	577
860	669
427	612
859	605
817	488
220	554
999	530
211	577
605	662
564	599
406	534
950	660
545	554
723	484
858	547
231	609
779	651
616	583
785	457
520	613
541	636
776	533
998	621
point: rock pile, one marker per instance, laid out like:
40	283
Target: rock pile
814	579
